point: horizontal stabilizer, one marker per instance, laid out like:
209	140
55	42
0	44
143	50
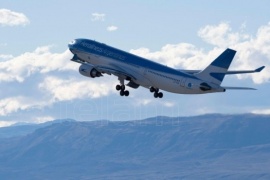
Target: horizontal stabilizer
238	88
226	73
246	71
260	69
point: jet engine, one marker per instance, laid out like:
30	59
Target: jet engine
89	71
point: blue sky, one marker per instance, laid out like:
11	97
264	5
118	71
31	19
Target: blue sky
39	83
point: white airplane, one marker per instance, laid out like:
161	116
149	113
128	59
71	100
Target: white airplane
97	59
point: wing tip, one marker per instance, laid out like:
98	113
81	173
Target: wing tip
260	69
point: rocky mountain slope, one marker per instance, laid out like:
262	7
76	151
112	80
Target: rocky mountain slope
210	146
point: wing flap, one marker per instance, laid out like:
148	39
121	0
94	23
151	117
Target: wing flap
103	69
189	71
114	72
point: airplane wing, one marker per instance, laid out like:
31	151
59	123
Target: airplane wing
227	73
103	69
120	74
111	70
189	71
115	72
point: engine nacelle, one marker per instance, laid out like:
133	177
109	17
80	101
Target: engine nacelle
89	71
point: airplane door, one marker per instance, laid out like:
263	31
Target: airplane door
183	82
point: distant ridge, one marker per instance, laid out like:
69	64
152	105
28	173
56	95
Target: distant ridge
200	147
20	129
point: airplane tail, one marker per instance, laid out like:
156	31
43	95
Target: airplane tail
217	70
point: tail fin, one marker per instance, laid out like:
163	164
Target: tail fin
216	71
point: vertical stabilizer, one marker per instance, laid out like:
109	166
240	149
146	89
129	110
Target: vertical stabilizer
216	71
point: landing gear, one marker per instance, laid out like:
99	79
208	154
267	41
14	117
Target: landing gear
118	87
157	94
121	88
152	89
126	93
122	93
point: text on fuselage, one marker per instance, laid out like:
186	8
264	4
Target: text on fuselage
101	50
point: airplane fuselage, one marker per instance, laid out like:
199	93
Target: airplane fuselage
143	72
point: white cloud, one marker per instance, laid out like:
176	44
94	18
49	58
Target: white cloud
261	111
221	35
39	61
5	56
181	55
204	110
142	101
53	90
43	119
6	123
98	17
11	18
243	26
64	90
13	104
253	52
112	28
152	101
42	78
169	104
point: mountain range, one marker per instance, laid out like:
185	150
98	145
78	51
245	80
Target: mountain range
212	146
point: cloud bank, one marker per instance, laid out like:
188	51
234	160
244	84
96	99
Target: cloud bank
11	18
41	78
28	64
252	51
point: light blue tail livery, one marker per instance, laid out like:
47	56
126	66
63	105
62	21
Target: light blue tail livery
216	71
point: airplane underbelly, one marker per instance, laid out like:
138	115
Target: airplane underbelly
163	83
179	86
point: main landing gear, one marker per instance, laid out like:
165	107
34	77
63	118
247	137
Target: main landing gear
156	93
121	88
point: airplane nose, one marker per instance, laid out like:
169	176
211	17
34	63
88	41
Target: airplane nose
71	45
72	42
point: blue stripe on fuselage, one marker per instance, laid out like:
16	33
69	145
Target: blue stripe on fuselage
94	47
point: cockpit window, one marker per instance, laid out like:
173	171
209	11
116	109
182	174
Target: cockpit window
72	42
